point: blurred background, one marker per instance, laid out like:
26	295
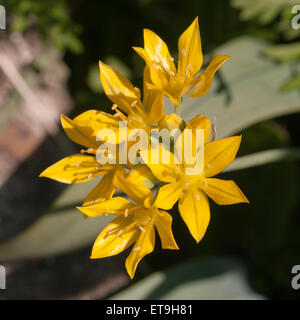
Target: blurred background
49	56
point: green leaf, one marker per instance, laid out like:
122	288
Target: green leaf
62	230
198	279
292	84
284	52
264	157
248	89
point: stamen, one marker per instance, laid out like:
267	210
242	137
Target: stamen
78	163
133	103
137	91
155	66
170	58
142	229
117	114
187	69
186	185
183	52
171	73
137	249
90	176
106	213
198	197
126	213
114	107
119	233
205	183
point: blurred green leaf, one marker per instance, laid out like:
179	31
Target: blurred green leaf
284	52
264	157
246	91
198	279
292	84
263	10
62	230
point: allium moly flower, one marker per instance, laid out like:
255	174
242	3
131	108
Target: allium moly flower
192	189
183	80
139	114
135	223
83	167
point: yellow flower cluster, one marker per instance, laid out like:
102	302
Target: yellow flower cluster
137	219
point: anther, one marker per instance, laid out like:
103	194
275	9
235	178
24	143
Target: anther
142	229
78	163
186	185
137	91
137	249
170	58
183	52
155	67
134	103
119	233
114	106
126	213
117	114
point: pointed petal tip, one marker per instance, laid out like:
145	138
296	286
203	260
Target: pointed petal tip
64	119
196	20
41	175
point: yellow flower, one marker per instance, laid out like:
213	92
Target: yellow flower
192	190
176	82
144	114
135	223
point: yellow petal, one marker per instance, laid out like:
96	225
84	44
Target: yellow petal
119	90
201	85
102	121
153	101
85	117
219	154
159	76
140	173
190	51
198	123
143	246
79	133
112	240
104	190
116	205
224	192
156	159
171	121
168	195
134	188
201	122
194	210
75	169
158	51
163	224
